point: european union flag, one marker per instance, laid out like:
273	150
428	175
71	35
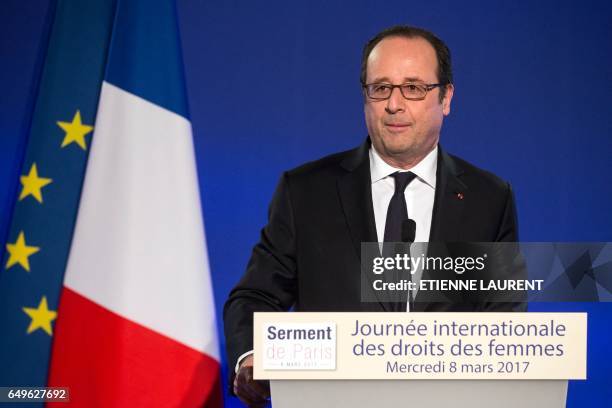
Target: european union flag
45	210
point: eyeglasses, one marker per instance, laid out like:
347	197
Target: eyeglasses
410	91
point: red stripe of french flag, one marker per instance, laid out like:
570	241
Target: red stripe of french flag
112	361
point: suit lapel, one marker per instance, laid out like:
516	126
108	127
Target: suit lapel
355	191
446	225
448	201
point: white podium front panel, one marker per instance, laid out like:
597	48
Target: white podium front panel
419	393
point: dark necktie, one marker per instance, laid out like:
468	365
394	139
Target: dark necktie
397	213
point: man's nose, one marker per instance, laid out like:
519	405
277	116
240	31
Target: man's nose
396	102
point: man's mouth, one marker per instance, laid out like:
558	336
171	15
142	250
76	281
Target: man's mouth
397	126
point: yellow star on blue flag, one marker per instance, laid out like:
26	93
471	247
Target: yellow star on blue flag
41	317
75	131
33	184
20	252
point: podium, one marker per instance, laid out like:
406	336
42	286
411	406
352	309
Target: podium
419	393
349	359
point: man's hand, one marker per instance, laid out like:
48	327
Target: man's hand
252	393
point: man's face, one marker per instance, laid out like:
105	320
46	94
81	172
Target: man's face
404	131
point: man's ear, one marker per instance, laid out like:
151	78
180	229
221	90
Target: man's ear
446	102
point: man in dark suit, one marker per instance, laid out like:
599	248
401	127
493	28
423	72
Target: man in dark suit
308	257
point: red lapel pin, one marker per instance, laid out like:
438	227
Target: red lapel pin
460	196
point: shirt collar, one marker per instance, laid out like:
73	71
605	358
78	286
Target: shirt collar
424	170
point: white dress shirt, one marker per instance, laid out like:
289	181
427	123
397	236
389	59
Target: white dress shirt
419	194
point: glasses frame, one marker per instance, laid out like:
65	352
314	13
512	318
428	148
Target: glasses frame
428	87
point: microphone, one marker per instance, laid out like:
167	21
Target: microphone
408	233
408	230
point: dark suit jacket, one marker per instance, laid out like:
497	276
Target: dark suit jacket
308	257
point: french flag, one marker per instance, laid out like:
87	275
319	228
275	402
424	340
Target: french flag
135	323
